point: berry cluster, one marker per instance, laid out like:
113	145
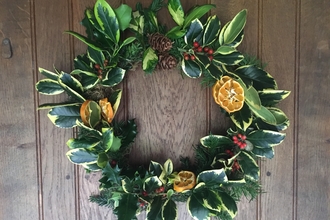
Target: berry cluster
239	140
160	189
99	70
235	165
197	48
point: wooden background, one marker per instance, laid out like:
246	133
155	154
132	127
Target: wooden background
37	181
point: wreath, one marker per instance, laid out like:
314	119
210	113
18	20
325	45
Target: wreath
225	167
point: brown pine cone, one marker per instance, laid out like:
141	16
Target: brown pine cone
159	42
166	61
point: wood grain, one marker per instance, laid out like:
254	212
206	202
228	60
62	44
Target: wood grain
314	112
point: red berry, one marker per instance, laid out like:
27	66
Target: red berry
113	163
161	189
243	137
100	77
243	145
206	49
97	66
186	57
239	136
196	44
144	193
99	71
228	151
192	57
141	204
235	138
210	51
199	49
210	57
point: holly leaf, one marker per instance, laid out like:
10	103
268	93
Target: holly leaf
154	211
214	141
113	77
235	27
112	175
176	11
191	68
211	31
49	87
169	210
150	60
212	177
81	156
152	183
196	13
127	207
195	29
196	208
249	165
65	116
242	118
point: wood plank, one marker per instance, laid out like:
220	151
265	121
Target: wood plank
54	48
278	51
313	119
18	182
226	11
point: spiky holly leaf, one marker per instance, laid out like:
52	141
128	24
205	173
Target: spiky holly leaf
169	210
72	86
155	168
154	211
196	208
242	118
112	175
113	77
195	29
87	79
127	207
191	68
228	204
152	183
212	177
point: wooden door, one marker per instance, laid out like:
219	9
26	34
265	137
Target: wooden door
172	113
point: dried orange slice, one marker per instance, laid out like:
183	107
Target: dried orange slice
107	111
229	94
185	180
84	112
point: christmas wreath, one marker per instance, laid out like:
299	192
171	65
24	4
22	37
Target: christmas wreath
224	168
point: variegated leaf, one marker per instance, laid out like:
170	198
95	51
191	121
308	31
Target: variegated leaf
49	87
65	116
176	11
81	156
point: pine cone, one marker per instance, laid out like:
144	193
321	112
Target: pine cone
166	61
159	42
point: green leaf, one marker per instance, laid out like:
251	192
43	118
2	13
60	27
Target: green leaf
53	105
211	200
127	207
195	29
214	141
270	97
74	143
242	118
225	50
215	71
127	41
107	20
176	11
231	59
81	156
48	74
92	167
249	165
49	87
261	79
86	40
169	210
87	79
113	77
195	206
212	177
154	211
124	16
150	60
127	132
235	27
127	185
264	114
91	131
267	152
152	183
115	99
107	135
71	85
191	68
228	204
175	33
265	138
65	116
166	171
102	160
155	168
282	121
112	175
197	13
211	31
94	113
96	56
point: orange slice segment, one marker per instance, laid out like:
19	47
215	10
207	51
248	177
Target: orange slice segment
185	180
84	112
107	110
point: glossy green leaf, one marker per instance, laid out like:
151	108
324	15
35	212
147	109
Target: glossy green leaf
215	71
267	152
127	41
214	141
211	31
211	200
115	99
231	59
116	144
107	20
102	160
225	50
96	56
195	29
72	86
93	133
176	11
127	207
212	177
249	165
195	206
112	175
154	211
113	77
191	68
270	97
265	138
175	33
151	184
235	27
87	79
92	167
264	114
108	136
196	13
53	105
166	171
155	168
89	143
228	204
127	185
65	116
48	74
150	60
86	40
49	87
94	114
242	118
81	156
124	16
169	210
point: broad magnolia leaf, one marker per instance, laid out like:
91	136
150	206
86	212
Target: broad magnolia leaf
211	31
191	68
270	97
124	16
242	118
234	27
196	13
48	74
249	165
169	210
81	156
196	208
214	141
71	85
152	183
65	116
212	177
87	79
154	211
49	87
113	77
150	60
108	136
195	29
176	11
107	20
228	204
127	207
